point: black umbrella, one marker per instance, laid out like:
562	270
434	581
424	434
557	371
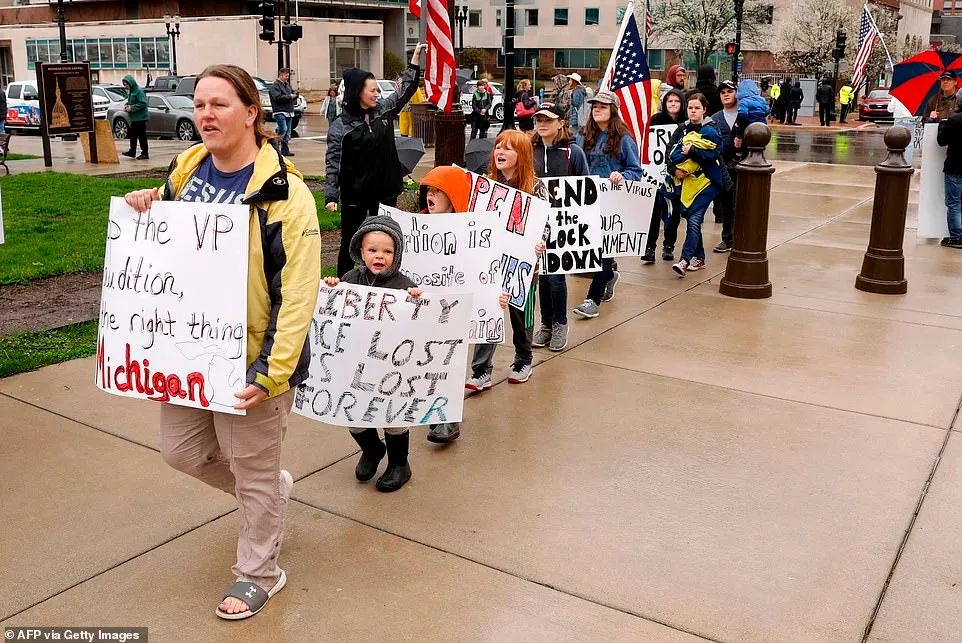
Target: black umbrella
410	149
477	153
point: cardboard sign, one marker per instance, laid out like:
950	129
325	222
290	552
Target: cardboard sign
932	221
575	234
625	216
173	312
456	252
522	219
380	358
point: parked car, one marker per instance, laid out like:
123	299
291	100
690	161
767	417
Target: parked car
115	94
23	106
263	88
385	88
876	106
497	103
164	84
168	115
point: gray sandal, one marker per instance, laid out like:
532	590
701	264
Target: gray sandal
253	595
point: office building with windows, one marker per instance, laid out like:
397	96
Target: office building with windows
566	36
121	37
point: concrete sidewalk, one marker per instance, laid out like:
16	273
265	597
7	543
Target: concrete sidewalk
692	467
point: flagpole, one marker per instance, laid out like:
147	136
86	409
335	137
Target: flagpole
880	38
606	79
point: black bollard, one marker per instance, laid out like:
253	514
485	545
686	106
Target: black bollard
746	276
883	268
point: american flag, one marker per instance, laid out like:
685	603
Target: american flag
649	22
414	6
440	70
867	36
631	82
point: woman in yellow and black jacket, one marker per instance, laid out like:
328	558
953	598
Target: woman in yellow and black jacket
240	454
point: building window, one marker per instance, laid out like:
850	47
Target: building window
577	59
104	53
656	58
474	18
497	17
522	57
347	52
531	17
561	17
591	17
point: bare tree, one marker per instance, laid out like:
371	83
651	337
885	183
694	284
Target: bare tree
702	27
878	63
805	41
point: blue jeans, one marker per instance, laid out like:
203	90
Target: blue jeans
693	245
953	204
284	131
553	295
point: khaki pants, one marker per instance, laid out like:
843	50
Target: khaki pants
239	454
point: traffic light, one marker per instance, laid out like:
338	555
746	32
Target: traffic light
267	12
769	14
292	33
730	48
839	44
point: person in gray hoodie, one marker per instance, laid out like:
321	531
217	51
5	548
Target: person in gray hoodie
377	247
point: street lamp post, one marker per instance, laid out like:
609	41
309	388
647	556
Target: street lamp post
172	23
62	24
461	17
739	13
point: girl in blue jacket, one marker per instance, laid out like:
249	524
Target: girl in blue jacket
612	154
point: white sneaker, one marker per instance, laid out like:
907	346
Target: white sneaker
287	484
479	382
696	264
680	268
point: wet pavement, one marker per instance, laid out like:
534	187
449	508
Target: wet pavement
862	146
692	467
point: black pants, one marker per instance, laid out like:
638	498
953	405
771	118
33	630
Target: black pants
600	280
479	127
352	216
138	132
671	227
844	115
825	113
793	114
728	210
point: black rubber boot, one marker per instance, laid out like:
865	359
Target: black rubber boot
445	432
649	256
398	472
372	450
668	253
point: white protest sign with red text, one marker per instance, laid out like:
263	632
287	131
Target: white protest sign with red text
173	310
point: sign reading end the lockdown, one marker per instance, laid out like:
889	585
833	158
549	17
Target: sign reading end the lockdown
381	358
173	309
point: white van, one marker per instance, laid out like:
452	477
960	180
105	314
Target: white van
23	106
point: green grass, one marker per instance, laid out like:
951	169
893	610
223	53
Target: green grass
55	223
27	351
12	156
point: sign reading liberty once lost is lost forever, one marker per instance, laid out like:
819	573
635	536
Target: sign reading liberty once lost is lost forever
173	311
381	358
